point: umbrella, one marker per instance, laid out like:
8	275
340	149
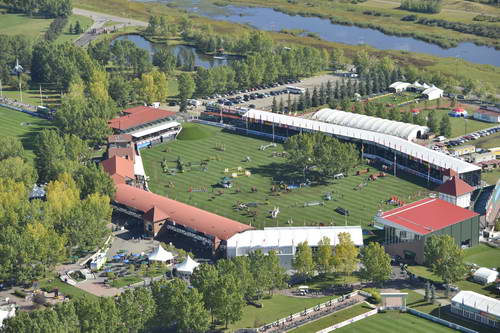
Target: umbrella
126	261
116	257
136	254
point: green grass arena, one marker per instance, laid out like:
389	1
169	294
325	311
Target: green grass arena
394	322
362	204
23	126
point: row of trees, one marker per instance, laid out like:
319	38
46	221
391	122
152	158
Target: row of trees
46	8
218	292
165	304
321	154
343	259
266	67
483	30
422	6
55	28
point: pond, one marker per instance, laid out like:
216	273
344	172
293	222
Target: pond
200	59
272	20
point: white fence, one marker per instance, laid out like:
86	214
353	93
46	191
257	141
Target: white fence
349	321
313	309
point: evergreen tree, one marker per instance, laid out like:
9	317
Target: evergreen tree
274	107
406	117
70	29
432	122
315	98
78	29
445	126
289	103
307	99
281	107
301	105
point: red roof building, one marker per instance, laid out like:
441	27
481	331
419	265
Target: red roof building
157	208
407	227
120	166
126	153
456	191
427	215
138	116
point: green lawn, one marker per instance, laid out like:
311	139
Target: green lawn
19	24
273	309
125	281
23	126
394	322
332	319
50	98
362	204
490	141
396	99
64	288
483	255
491	177
85	23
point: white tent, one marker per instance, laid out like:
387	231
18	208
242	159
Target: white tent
187	266
485	275
160	254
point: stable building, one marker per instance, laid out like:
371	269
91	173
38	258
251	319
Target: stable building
432	93
408	227
146	125
477	307
489	116
397	87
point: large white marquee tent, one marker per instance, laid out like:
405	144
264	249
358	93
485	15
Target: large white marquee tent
403	130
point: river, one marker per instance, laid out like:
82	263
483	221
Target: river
272	20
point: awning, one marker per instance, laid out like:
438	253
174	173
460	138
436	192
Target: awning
154	129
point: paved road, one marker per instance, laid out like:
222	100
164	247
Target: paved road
100	20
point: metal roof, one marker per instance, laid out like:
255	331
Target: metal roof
361	121
154	129
393	142
292	236
478	301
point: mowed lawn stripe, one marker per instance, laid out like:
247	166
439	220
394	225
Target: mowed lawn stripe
362	204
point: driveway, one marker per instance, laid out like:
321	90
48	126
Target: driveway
100	19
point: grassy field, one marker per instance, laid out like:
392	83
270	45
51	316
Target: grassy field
491	177
19	24
394	322
125	281
332	319
64	288
273	309
491	141
51	98
483	255
21	125
362	204
395	99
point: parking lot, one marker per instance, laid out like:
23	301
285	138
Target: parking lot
263	95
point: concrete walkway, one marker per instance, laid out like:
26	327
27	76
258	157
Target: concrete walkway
100	19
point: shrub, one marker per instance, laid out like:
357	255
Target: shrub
20	293
375	298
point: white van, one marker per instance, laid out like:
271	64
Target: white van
440	138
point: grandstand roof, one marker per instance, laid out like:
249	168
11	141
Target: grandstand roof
455	186
361	121
407	147
425	216
120	166
139	116
183	214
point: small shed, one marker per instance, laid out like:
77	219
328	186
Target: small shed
485	275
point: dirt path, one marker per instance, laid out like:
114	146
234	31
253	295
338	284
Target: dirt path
100	20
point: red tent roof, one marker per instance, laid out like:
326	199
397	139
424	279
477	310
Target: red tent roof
458	110
119	166
455	186
140	115
183	214
427	215
415	111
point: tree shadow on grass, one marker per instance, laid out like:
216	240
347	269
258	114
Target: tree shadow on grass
288	174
